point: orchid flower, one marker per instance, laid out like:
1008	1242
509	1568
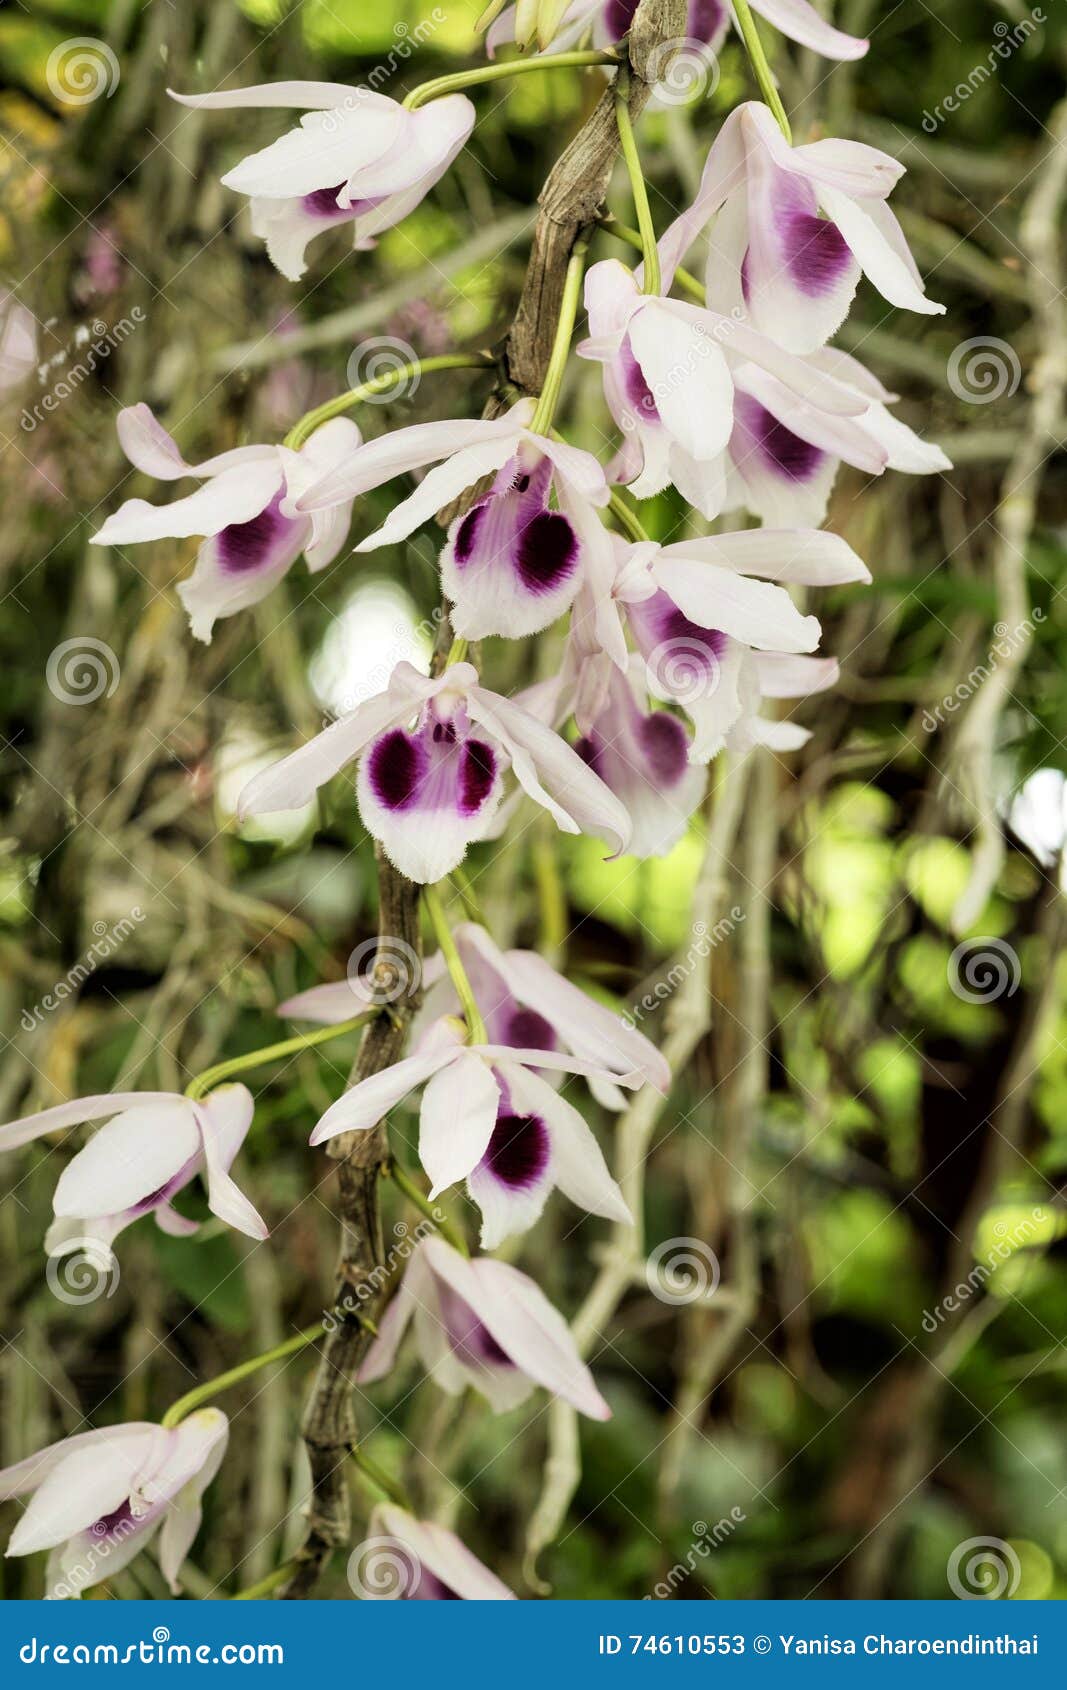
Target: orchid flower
244	508
645	756
512	565
426	794
699	611
411	1560
482	1323
524	1004
708	21
670	373
794	228
784	452
153	1144
100	1497
487	1119
355	157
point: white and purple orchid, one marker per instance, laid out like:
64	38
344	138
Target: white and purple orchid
485	1324
488	1116
708	21
512	564
671	375
784	451
524	1003
356	157
152	1145
410	1560
244	509
646	757
701	612
427	792
794	228
100	1497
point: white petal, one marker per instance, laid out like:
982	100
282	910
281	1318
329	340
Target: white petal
810	557
86	1485
325	149
371	1100
312	96
688	377
439	487
235	495
761	615
801	22
456	1121
407	449
135	1154
876	257
14	1134
224	1197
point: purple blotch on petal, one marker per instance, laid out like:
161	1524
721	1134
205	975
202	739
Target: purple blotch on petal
791	456
394	766
245	546
665	743
815	252
467	534
526	1030
477	775
518	1151
548	552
